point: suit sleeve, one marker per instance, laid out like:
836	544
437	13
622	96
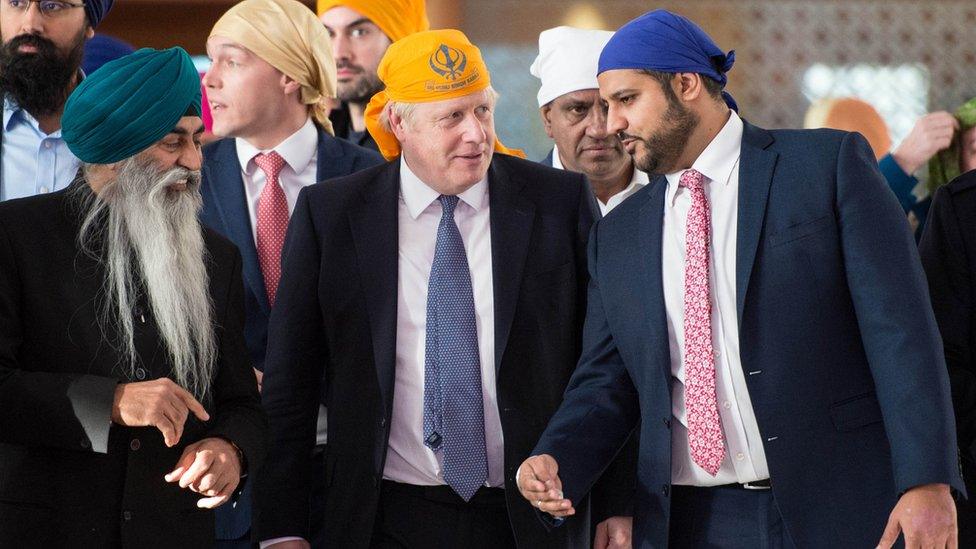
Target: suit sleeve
613	493
600	406
42	407
943	252
238	413
897	326
293	374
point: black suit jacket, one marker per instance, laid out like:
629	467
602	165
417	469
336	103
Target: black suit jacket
337	313
948	251
68	476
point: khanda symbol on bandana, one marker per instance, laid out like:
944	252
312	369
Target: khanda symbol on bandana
448	62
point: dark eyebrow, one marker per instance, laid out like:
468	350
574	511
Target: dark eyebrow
356	23
617	94
181	131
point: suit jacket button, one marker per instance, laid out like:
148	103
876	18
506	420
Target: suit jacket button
665	489
127	515
376	481
382	422
85	443
667	422
134	445
140	374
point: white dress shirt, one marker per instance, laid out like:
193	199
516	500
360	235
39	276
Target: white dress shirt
408	460
637	181
300	151
745	459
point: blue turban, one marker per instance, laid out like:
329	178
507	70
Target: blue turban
96	10
101	49
666	42
129	104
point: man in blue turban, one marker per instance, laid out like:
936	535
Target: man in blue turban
129	406
759	312
40	64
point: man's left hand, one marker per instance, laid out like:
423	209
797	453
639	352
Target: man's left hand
614	533
211	468
926	515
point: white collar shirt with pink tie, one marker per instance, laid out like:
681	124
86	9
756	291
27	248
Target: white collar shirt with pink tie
744	459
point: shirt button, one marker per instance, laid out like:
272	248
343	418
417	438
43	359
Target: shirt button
45	190
740	456
726	405
135	445
716	354
140	374
47	144
665	489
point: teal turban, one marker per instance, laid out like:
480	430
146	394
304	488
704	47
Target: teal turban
129	104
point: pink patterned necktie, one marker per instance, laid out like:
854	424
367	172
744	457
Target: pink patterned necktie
272	221
704	426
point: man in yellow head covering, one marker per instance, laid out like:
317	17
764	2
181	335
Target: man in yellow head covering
421	296
361	30
271	75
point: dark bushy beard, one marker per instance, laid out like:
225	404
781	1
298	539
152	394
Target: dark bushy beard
151	241
364	89
664	147
38	82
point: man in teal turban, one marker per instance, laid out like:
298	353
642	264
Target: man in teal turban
130	409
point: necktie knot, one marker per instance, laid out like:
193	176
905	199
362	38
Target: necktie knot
692	179
271	164
448	203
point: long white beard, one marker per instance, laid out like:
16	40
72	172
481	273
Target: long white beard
151	241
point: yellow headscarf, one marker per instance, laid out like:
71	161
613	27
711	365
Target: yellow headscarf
396	18
423	68
287	35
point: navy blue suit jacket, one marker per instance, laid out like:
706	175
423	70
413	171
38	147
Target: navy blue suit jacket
838	342
225	211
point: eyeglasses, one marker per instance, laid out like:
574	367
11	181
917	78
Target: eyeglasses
48	8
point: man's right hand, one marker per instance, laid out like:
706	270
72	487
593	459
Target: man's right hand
931	134
160	403
538	481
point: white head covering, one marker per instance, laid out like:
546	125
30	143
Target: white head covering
567	61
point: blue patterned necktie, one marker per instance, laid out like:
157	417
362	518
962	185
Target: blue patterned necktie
454	416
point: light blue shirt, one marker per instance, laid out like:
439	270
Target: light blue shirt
32	162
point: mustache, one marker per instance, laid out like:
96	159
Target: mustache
43	45
348	65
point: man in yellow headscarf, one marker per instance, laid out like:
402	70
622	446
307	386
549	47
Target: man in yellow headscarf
422	296
361	30
268	86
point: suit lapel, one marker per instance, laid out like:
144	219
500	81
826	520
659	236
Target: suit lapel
331	163
756	167
374	227
511	220
230	199
648	262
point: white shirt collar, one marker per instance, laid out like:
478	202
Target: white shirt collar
418	195
637	179
718	159
297	149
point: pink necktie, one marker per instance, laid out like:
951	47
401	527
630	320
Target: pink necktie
704	427
272	222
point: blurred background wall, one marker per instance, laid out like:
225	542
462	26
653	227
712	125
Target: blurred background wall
904	57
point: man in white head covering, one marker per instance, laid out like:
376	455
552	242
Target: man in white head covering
574	116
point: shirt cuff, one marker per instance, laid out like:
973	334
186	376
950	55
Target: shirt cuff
270	542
